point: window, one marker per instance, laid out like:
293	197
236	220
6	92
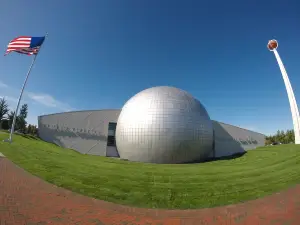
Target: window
111	140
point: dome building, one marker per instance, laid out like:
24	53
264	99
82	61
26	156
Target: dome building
157	125
164	125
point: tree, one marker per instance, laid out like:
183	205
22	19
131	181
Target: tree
35	131
21	119
290	136
10	117
29	129
32	129
268	141
21	124
282	137
3	110
24	111
5	124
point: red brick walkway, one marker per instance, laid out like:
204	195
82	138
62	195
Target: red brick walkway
26	199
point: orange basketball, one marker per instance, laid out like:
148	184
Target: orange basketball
273	44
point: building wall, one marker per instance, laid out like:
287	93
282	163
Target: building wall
231	140
87	132
83	131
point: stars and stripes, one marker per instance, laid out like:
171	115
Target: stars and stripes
25	45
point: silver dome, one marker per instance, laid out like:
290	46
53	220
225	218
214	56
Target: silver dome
164	125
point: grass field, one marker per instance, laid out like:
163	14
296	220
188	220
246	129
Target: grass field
258	173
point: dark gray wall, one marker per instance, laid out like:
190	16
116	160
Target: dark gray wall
86	132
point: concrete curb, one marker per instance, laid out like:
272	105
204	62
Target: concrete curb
1	155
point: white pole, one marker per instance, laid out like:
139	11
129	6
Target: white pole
18	105
20	97
291	96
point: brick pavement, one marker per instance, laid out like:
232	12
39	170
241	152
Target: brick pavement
26	199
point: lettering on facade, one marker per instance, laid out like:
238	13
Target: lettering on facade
73	130
248	141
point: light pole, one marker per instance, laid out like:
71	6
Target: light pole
272	46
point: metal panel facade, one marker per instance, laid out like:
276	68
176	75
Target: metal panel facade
84	131
87	131
231	140
164	125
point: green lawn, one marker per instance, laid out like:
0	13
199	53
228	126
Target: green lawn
258	173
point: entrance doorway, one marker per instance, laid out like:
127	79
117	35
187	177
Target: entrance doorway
111	148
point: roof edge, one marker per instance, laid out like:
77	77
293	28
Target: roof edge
121	109
90	110
238	127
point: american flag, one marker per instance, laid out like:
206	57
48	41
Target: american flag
25	45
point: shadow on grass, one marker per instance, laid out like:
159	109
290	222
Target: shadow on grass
31	137
230	157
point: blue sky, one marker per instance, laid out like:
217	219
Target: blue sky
100	53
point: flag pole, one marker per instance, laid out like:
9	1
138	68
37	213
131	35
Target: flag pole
20	97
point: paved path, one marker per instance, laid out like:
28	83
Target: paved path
26	199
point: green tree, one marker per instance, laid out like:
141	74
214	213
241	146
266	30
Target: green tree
5	124
24	111
290	136
10	117
21	124
281	136
21	120
268	141
29	129
3	110
34	130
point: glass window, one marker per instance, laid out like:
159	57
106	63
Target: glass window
111	134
